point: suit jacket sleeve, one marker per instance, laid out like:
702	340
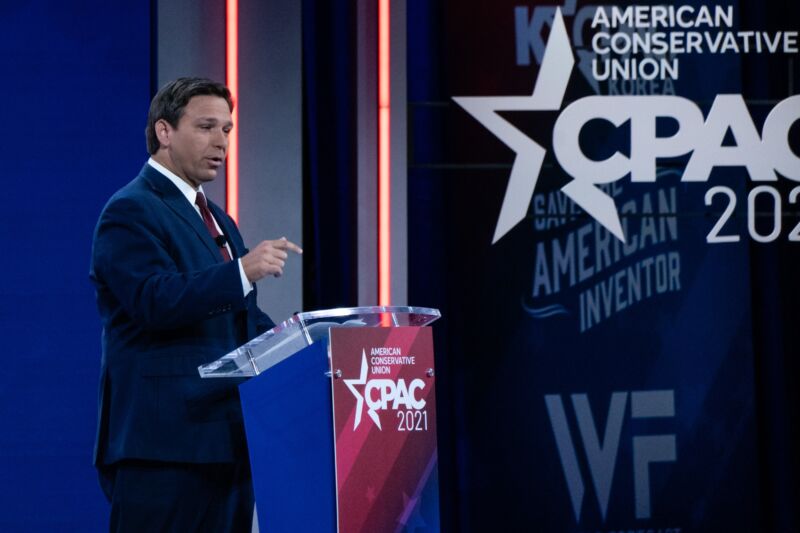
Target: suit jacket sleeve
262	321
135	257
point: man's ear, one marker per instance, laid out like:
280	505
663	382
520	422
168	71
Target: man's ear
163	132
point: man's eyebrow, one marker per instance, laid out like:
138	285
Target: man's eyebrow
212	120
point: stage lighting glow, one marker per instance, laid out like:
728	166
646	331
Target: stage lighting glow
232	80
384	175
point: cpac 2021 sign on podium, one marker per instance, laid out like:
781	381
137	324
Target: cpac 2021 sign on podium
341	420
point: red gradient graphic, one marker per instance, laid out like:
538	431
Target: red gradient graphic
382	473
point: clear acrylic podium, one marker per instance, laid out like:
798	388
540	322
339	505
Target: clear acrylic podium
304	329
288	412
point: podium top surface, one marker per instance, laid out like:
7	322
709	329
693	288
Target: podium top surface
303	329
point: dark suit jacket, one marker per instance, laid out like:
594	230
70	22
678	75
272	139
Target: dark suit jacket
168	303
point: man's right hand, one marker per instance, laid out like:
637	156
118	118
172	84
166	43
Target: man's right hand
268	259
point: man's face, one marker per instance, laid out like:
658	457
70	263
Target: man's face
196	149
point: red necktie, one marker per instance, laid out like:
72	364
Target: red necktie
200	200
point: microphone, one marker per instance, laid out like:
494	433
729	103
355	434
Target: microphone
220	240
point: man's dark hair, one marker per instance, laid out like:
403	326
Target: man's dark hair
170	102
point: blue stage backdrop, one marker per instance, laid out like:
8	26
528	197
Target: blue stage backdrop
76	87
602	231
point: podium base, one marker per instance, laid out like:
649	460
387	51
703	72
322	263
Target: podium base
287	414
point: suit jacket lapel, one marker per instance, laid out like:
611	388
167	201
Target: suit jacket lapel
176	201
223	221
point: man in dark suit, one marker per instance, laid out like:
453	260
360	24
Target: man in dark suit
175	290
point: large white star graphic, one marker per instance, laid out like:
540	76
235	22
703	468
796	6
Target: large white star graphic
362	380
548	94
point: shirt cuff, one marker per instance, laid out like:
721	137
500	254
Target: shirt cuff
246	285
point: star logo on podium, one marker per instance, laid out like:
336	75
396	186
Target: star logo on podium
411	519
362	381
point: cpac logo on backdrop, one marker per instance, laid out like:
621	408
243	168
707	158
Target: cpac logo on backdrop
765	155
601	456
381	394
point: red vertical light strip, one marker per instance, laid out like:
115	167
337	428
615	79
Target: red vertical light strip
384	181
232	80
